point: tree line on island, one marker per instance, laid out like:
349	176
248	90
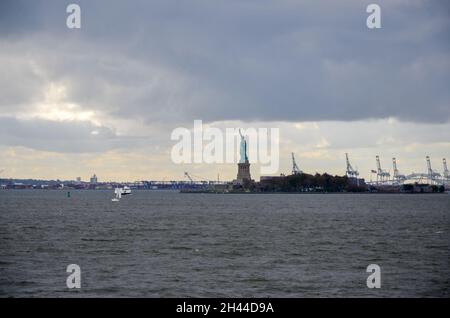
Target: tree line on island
307	183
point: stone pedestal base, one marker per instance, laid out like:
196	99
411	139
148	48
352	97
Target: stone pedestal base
243	172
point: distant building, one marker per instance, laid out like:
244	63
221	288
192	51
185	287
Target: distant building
78	181
94	179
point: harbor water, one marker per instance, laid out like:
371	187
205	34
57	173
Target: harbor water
170	244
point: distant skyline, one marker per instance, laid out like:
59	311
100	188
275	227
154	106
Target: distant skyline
104	99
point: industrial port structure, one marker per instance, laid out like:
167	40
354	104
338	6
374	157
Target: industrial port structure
431	176
381	179
384	177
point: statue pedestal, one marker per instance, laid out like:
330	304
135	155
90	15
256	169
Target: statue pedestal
243	172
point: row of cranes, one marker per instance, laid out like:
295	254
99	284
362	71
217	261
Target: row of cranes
384	177
431	176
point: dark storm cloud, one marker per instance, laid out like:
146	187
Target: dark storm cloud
172	61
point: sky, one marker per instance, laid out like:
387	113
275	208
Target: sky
105	98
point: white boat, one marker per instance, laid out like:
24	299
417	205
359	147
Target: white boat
126	190
118	193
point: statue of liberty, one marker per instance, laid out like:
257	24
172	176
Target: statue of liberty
243	149
243	177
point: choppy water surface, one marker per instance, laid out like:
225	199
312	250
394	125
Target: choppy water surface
167	244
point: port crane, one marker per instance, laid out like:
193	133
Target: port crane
397	176
382	175
186	174
295	169
351	173
432	175
199	179
444	163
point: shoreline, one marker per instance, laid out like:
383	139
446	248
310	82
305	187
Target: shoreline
227	192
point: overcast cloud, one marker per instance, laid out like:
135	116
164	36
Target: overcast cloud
138	69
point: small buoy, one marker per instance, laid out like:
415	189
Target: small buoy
68	194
